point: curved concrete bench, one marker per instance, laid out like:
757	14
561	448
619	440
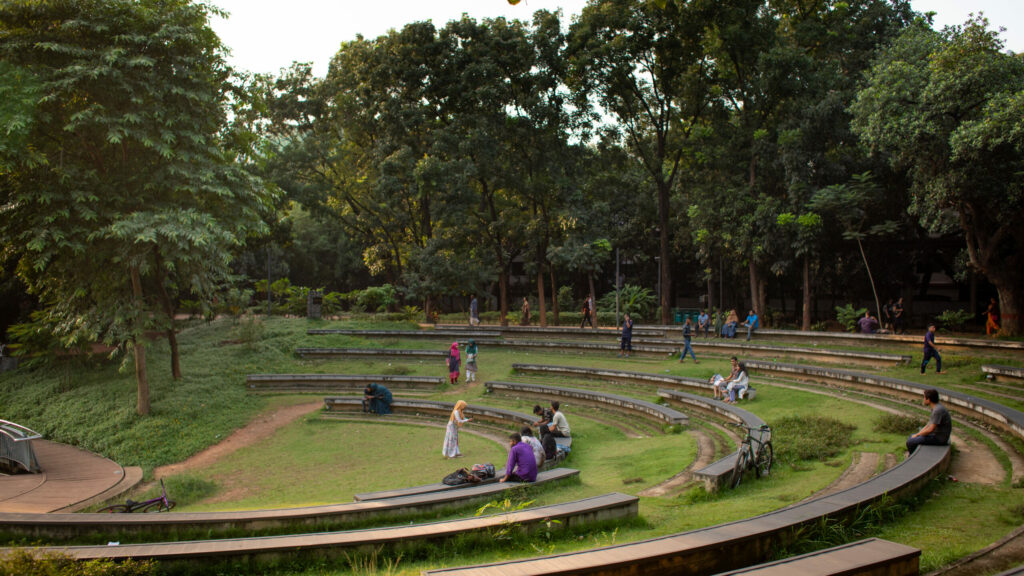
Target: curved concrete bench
1000	372
550	346
462	336
335	383
542	476
727	546
992	412
63	525
369	353
614	375
498	416
741	347
890	339
719	472
871	557
568	514
571	331
650	410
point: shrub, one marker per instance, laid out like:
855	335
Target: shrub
566	303
897	424
377	298
797	438
21	561
249	330
954	319
847	316
636	300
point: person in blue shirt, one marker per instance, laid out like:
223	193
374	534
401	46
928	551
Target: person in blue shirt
522	464
751	323
704	322
687	332
627	336
931	351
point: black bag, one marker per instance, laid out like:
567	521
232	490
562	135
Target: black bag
550	447
457	478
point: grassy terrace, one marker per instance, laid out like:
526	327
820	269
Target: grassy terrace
316	461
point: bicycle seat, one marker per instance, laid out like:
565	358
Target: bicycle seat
130	502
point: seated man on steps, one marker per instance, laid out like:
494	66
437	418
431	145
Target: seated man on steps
377	399
522	464
936	432
559	426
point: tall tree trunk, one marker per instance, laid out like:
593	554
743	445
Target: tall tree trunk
755	289
541	304
1011	302
139	347
878	305
762	302
503	294
806	324
168	306
593	298
666	268
428	307
554	294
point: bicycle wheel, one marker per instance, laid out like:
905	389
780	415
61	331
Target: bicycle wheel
158	506
765	457
742	460
114	509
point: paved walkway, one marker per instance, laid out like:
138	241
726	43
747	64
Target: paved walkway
70	479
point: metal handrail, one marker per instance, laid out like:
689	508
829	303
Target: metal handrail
16	445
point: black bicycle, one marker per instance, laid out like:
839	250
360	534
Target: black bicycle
159	504
755	452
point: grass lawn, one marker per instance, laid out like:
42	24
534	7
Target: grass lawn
91	404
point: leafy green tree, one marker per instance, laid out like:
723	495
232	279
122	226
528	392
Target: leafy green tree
118	188
949	109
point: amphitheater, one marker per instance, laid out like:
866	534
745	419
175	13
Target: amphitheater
773	525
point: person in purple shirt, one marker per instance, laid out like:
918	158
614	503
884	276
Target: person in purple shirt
522	464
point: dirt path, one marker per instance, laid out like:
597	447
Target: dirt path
259	429
975	462
705	456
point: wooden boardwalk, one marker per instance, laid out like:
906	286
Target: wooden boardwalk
71	477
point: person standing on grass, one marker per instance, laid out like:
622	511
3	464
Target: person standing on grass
474	311
524	317
687	333
992	318
451	433
588	312
471	352
453	363
899	324
626	344
936	432
931	351
522	464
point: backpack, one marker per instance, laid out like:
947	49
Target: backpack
483	471
459	477
550	448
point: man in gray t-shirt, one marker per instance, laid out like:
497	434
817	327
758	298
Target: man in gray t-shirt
936	431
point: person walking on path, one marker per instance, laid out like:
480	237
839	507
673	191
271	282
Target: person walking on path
992	318
474	311
936	432
453	363
687	333
931	351
626	345
471	352
752	323
588	312
451	432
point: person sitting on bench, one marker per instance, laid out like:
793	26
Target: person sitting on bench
739	384
559	426
522	464
377	399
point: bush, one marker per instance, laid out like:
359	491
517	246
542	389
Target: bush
847	316
798	438
897	424
954	319
566	302
249	330
20	561
377	298
638	301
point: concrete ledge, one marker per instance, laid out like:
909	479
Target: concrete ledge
542	477
992	412
572	331
550	346
871	557
501	417
335	383
727	546
889	339
369	352
462	336
1000	372
649	410
569	514
311	518
742	347
614	376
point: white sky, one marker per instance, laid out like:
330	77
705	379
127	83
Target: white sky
268	35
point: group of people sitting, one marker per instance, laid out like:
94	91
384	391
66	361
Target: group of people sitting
732	387
526	453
